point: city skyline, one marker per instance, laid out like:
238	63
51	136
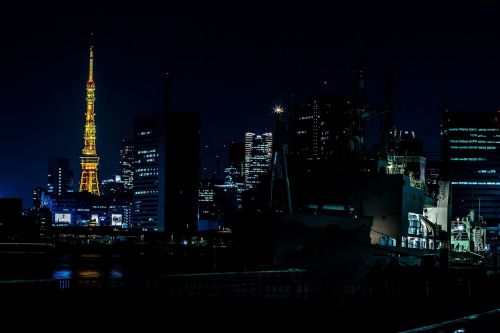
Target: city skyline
233	77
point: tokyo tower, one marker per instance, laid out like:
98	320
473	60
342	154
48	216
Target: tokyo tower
89	160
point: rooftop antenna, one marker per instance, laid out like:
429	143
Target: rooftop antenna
168	92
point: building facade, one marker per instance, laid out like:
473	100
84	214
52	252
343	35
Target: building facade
471	155
258	158
148	169
127	163
60	177
166	172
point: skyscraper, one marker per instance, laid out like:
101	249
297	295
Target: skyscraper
319	128
126	163
60	177
233	172
471	146
90	161
166	170
148	169
38	193
258	155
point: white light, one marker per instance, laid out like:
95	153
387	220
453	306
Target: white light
278	109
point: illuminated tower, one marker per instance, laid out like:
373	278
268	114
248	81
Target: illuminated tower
90	160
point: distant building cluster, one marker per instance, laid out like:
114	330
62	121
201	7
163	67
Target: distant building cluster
314	165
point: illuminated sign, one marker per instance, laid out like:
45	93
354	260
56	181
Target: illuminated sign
116	219
62	218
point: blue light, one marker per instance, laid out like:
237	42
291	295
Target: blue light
116	274
62	274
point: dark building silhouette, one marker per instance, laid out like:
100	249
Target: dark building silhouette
60	176
325	147
10	216
470	148
319	128
182	171
236	155
234	180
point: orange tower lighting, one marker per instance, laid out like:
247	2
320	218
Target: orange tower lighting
90	161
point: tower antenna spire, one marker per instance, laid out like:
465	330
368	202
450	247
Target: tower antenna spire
91	57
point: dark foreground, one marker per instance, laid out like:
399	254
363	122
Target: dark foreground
118	309
100	292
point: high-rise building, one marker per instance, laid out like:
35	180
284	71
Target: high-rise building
208	209
234	180
470	148
38	196
126	163
148	169
60	177
166	171
258	156
233	172
319	128
90	160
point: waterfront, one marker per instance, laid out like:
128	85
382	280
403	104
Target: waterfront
405	299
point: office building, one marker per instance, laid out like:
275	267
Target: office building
258	158
166	172
148	169
126	163
471	156
60	177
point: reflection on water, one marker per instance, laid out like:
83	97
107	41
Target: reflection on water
116	274
88	274
61	274
88	266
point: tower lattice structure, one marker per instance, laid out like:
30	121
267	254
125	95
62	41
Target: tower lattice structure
90	161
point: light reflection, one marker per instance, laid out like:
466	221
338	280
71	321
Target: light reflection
116	274
62	274
89	274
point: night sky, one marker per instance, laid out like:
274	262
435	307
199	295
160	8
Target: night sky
232	67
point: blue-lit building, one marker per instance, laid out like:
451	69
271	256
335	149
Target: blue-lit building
471	154
78	209
119	201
